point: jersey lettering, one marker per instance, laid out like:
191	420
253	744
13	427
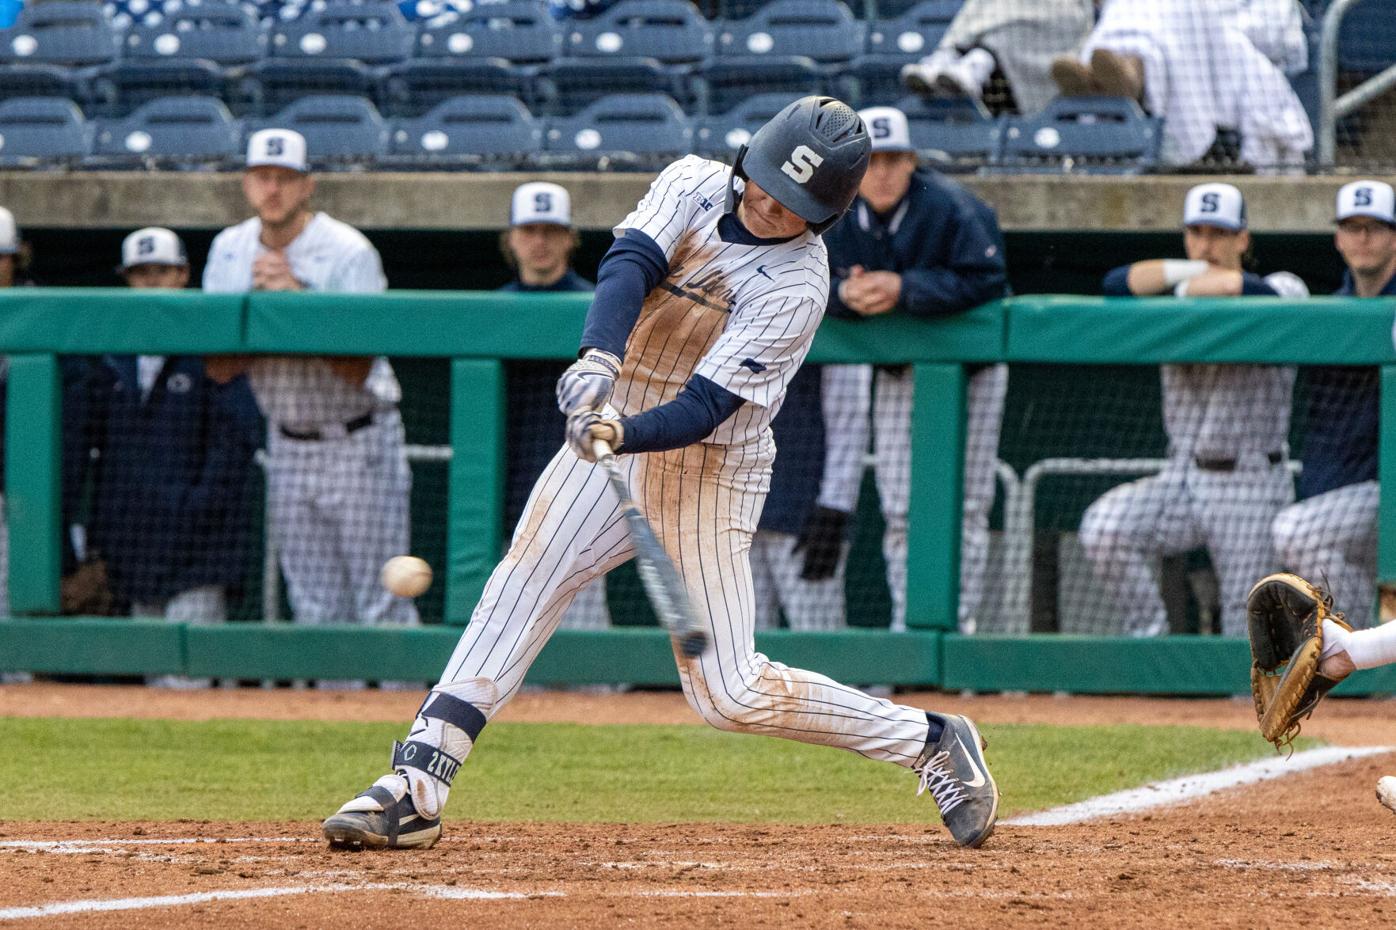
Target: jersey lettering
803	161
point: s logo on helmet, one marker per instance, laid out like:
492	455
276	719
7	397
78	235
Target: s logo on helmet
803	161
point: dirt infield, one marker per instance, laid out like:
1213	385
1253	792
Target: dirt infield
1313	848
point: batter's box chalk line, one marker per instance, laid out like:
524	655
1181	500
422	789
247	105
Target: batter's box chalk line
1191	787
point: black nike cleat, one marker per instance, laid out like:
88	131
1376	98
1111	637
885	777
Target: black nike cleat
955	773
381	819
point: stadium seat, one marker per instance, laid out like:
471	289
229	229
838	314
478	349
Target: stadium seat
572	84
220	32
727	81
1367	38
912	34
39	81
120	88
952	135
941	11
721	136
519	31
375	34
1097	135
272	84
668	31
486	130
621	131
42	132
340	130
416	86
823	30
59	33
178	132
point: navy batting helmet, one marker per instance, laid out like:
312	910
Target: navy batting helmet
810	157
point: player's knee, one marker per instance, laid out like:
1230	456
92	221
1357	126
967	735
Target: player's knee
1097	534
733	707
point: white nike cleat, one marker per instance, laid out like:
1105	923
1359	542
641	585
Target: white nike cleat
383	817
953	770
1386	792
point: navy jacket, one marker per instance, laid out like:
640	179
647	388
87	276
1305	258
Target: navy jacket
799	467
1343	423
942	240
536	426
172	504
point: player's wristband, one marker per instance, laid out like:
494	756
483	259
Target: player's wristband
1177	270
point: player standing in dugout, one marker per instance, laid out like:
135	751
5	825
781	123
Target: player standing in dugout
705	306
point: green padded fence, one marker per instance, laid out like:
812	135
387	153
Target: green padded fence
478	331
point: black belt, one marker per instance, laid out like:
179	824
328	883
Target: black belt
1274	458
314	435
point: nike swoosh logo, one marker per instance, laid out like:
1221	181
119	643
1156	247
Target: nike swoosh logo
979	779
761	270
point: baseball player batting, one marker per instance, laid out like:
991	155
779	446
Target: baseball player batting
705	306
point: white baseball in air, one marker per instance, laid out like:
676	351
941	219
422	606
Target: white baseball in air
406	575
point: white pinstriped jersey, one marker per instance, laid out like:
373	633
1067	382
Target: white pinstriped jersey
328	255
740	315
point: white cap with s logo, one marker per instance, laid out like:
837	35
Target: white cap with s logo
153	245
888	129
541	202
1368	198
280	148
9	233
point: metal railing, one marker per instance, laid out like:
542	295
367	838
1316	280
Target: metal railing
1331	107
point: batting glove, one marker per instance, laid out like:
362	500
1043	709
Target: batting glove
588	382
586	426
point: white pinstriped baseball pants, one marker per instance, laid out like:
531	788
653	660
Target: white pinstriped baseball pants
703	502
1331	538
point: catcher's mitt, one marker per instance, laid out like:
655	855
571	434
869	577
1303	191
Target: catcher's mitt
1286	615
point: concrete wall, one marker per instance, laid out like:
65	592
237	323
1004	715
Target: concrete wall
480	201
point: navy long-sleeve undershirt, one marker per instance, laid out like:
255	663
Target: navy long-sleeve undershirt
700	408
633	266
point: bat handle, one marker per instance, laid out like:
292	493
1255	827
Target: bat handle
601	449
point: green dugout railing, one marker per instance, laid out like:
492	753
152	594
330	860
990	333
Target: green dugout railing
480	331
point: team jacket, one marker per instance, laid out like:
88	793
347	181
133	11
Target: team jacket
942	240
173	487
1343	421
536	426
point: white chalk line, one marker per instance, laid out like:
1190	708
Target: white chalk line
1191	787
84	846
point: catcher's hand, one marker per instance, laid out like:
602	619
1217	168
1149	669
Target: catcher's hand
1285	615
586	426
588	382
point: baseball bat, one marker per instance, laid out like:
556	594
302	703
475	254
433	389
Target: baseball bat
661	579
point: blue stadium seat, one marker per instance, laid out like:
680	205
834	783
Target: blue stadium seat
520	31
912	34
375	34
1367	38
216	31
42	132
621	131
727	81
182	132
872	80
952	135
120	88
669	31
721	136
419	84
486	130
572	84
39	81
941	11
59	33
274	83
340	130
823	30
1096	135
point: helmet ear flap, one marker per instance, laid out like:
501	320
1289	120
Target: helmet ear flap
737	172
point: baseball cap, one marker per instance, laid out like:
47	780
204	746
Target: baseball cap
1367	198
153	245
9	233
888	129
541	202
283	148
1218	205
